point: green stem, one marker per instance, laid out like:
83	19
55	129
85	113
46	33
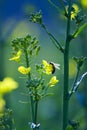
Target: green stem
66	72
29	77
65	12
54	40
36	107
56	7
32	108
27	61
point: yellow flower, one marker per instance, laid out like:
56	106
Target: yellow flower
74	12
53	81
84	3
24	70
72	68
17	56
47	67
7	85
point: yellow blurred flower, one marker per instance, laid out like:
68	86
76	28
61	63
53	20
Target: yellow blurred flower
72	68
53	81
24	70
48	68
84	3
74	12
7	85
17	56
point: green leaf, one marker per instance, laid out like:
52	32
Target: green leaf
49	94
37	50
78	31
69	127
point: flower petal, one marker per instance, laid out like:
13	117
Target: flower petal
24	70
53	81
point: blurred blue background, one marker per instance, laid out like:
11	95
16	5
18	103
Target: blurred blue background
14	22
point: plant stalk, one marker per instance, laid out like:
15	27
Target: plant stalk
29	77
54	40
66	71
36	107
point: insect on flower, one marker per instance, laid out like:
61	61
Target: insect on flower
54	66
50	67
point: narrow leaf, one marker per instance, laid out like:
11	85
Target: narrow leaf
48	94
37	50
80	30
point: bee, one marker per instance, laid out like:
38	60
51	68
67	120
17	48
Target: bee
55	66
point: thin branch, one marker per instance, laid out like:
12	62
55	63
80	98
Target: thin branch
54	40
65	12
76	78
76	85
56	7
